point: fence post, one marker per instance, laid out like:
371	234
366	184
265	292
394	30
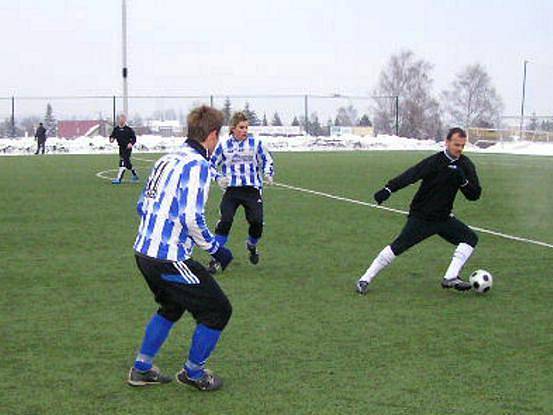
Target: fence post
397	114
114	111
306	115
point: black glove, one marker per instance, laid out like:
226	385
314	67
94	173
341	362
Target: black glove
223	256
382	195
460	176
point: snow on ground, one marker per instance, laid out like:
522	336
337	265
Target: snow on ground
157	144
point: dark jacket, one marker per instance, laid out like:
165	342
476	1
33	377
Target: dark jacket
123	135
440	183
40	133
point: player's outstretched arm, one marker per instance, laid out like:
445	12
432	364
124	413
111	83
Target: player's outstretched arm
408	177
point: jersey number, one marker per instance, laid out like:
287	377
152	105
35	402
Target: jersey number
154	180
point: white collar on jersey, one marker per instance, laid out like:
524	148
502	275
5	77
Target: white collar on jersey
449	156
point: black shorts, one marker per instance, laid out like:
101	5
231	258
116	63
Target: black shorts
248	197
417	230
185	286
125	157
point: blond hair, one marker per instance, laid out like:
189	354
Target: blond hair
236	119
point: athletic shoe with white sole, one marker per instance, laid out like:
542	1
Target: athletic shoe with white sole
207	383
150	377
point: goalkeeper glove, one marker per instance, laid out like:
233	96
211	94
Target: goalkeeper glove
460	177
223	256
382	195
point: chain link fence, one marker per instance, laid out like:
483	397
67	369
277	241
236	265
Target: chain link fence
164	114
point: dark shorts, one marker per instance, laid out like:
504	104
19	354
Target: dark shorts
186	286
248	197
417	230
125	157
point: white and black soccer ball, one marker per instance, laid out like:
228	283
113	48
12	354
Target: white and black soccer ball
481	281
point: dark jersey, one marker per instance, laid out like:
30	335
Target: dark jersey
434	199
123	135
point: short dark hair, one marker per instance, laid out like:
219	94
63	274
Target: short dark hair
454	131
202	121
40	123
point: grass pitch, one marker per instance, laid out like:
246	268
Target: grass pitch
73	305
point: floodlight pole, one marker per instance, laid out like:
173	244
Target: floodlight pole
521	130
125	69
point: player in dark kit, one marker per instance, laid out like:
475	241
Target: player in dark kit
442	175
40	136
126	139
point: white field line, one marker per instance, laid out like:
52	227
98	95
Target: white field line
372	205
102	175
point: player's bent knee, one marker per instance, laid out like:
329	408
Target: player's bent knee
171	312
256	229
218	318
223	227
472	239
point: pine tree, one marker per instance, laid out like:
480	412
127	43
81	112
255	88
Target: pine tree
276	122
227	109
264	123
50	122
295	122
253	119
365	121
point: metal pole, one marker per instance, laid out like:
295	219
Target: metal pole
397	114
114	111
125	69
306	114
521	130
13	118
211	100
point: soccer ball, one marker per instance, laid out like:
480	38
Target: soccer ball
481	281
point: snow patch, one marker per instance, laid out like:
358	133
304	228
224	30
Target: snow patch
158	144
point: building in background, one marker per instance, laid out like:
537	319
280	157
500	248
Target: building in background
71	129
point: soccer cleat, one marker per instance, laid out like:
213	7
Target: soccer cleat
150	377
213	267
362	287
135	179
456	283
207	383
116	181
254	255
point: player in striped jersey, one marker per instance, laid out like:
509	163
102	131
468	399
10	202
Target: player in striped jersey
172	222
238	165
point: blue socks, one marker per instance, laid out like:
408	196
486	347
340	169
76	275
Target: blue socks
252	240
157	331
221	239
203	344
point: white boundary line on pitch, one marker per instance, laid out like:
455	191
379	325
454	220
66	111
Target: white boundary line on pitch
403	212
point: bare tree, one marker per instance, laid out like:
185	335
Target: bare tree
346	116
419	112
472	100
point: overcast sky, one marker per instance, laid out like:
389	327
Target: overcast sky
56	47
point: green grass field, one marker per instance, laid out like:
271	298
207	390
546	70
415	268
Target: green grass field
74	306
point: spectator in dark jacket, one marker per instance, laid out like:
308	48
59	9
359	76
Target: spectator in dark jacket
40	136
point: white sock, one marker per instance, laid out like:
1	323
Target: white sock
121	172
460	256
384	258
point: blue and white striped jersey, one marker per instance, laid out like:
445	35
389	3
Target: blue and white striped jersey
171	207
243	162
